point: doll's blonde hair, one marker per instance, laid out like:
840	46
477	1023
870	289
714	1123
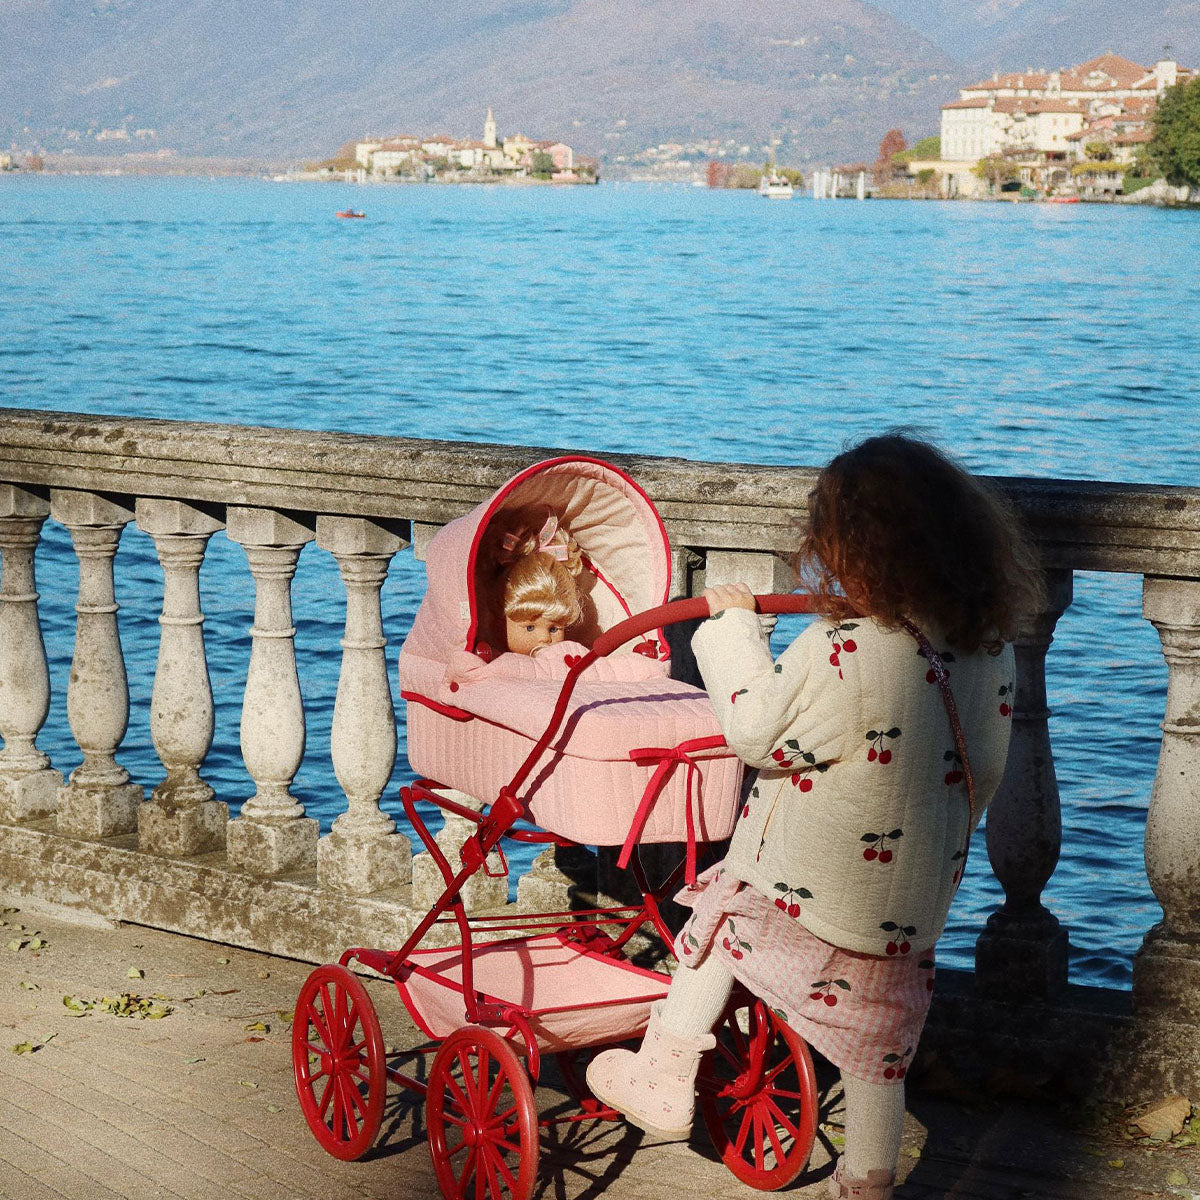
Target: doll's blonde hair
538	560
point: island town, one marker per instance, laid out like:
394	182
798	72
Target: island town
441	158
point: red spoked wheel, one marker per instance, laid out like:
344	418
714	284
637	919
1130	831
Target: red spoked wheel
483	1130
338	1062
758	1096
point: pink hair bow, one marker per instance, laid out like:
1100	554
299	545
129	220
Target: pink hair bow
545	540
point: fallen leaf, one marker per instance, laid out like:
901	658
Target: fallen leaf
912	1151
258	1027
38	943
1165	1118
16	943
1176	1178
135	973
247	1083
196	1059
264	974
286	1017
24	1048
222	962
274	1108
30	987
1116	1162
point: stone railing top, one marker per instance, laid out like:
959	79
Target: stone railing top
1080	524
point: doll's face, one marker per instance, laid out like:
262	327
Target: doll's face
529	636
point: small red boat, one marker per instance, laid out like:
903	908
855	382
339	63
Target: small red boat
350	212
1063	199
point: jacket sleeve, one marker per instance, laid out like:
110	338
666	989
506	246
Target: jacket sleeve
774	713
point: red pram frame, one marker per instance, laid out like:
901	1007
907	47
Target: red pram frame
757	1090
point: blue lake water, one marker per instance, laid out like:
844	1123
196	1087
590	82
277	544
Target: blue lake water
1029	340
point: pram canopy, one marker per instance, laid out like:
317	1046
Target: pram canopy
627	557
472	730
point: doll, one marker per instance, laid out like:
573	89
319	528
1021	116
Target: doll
539	562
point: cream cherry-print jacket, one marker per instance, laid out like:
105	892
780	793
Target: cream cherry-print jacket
856	823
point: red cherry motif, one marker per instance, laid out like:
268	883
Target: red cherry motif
788	900
805	760
825	990
900	934
880	847
739	692
954	763
841	644
896	1067
1006	695
877	751
571	659
737	947
945	656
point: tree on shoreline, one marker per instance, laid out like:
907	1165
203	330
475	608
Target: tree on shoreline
1174	147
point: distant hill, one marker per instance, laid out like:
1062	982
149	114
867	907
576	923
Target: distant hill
1004	35
295	80
289	80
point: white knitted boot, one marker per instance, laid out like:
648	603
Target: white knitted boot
655	1087
878	1185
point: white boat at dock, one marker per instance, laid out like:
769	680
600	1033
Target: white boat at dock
775	187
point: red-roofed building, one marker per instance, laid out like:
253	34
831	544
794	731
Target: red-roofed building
1043	119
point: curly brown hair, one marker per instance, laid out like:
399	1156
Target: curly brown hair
896	530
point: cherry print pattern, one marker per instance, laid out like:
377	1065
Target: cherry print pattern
897	1066
954	772
737	947
823	990
900	937
739	692
927	964
840	644
753	796
880	847
878	752
802	763
959	858
1006	699
789	900
944	655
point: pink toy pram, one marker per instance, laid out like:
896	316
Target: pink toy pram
608	755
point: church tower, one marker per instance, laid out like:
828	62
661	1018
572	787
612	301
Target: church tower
489	131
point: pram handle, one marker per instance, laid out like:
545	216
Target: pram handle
653	618
693	609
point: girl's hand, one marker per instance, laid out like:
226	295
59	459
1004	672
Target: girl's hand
728	595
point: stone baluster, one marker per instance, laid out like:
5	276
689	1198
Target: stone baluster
99	799
363	853
1166	970
272	835
28	784
1023	950
181	817
765	573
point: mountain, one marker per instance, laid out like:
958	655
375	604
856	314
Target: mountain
824	78
288	80
1010	35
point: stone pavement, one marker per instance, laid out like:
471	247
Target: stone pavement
198	1104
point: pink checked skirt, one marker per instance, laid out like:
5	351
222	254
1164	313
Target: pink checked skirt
864	1014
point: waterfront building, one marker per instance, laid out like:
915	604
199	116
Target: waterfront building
1044	120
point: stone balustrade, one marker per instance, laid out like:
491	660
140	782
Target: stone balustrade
265	879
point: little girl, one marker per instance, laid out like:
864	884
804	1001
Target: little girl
843	864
